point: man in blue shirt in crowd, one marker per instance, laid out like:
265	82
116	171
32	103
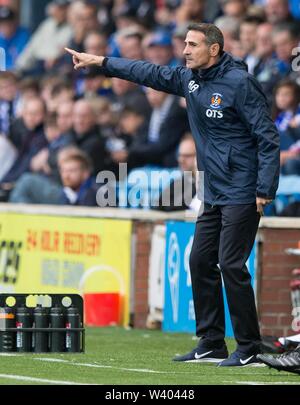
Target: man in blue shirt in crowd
238	151
13	38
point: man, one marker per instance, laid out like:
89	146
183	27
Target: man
46	44
13	38
8	100
238	150
78	183
86	134
157	144
248	32
289	361
267	71
179	194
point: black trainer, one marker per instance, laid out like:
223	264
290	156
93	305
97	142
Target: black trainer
240	359
204	355
289	361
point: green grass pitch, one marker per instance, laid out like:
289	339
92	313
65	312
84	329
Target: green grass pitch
117	356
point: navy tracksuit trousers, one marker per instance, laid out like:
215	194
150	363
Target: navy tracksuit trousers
225	235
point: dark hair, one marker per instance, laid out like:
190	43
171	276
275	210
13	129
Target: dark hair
58	88
292	29
8	75
296	91
213	35
253	19
79	157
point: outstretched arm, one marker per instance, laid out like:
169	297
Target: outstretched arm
162	78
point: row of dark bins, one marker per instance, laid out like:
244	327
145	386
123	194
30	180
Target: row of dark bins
40	329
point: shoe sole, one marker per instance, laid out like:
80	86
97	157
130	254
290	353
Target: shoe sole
208	360
278	368
246	365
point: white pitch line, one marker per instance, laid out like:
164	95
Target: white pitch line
262	383
139	370
95	365
41	380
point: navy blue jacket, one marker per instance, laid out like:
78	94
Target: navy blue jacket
237	142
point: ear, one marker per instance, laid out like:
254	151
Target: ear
214	49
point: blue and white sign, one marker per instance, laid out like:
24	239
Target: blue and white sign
179	314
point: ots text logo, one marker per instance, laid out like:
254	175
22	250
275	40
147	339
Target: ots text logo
215	104
193	86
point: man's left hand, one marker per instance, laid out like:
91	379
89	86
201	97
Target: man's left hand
261	203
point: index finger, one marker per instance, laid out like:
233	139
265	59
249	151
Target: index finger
72	52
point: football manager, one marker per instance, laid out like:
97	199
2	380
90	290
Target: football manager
238	151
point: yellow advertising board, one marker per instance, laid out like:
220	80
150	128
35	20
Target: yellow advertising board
65	255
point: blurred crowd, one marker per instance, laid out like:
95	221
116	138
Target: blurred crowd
60	127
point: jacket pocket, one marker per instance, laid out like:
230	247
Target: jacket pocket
218	164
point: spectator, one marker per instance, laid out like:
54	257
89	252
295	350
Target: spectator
179	194
178	38
13	38
29	88
28	137
287	119
65	117
285	39
78	183
130	43
87	136
128	94
47	43
82	17
158	145
230	29
248	30
132	125
95	42
42	185
94	83
61	92
158	49
235	8
191	10
278	11
267	70
286	108
8	100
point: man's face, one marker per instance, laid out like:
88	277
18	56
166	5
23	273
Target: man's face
196	50
131	48
8	89
83	118
95	44
264	44
33	114
248	36
65	117
7	28
277	10
72	174
186	155
284	44
159	54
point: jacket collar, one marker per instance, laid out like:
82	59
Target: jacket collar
225	63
